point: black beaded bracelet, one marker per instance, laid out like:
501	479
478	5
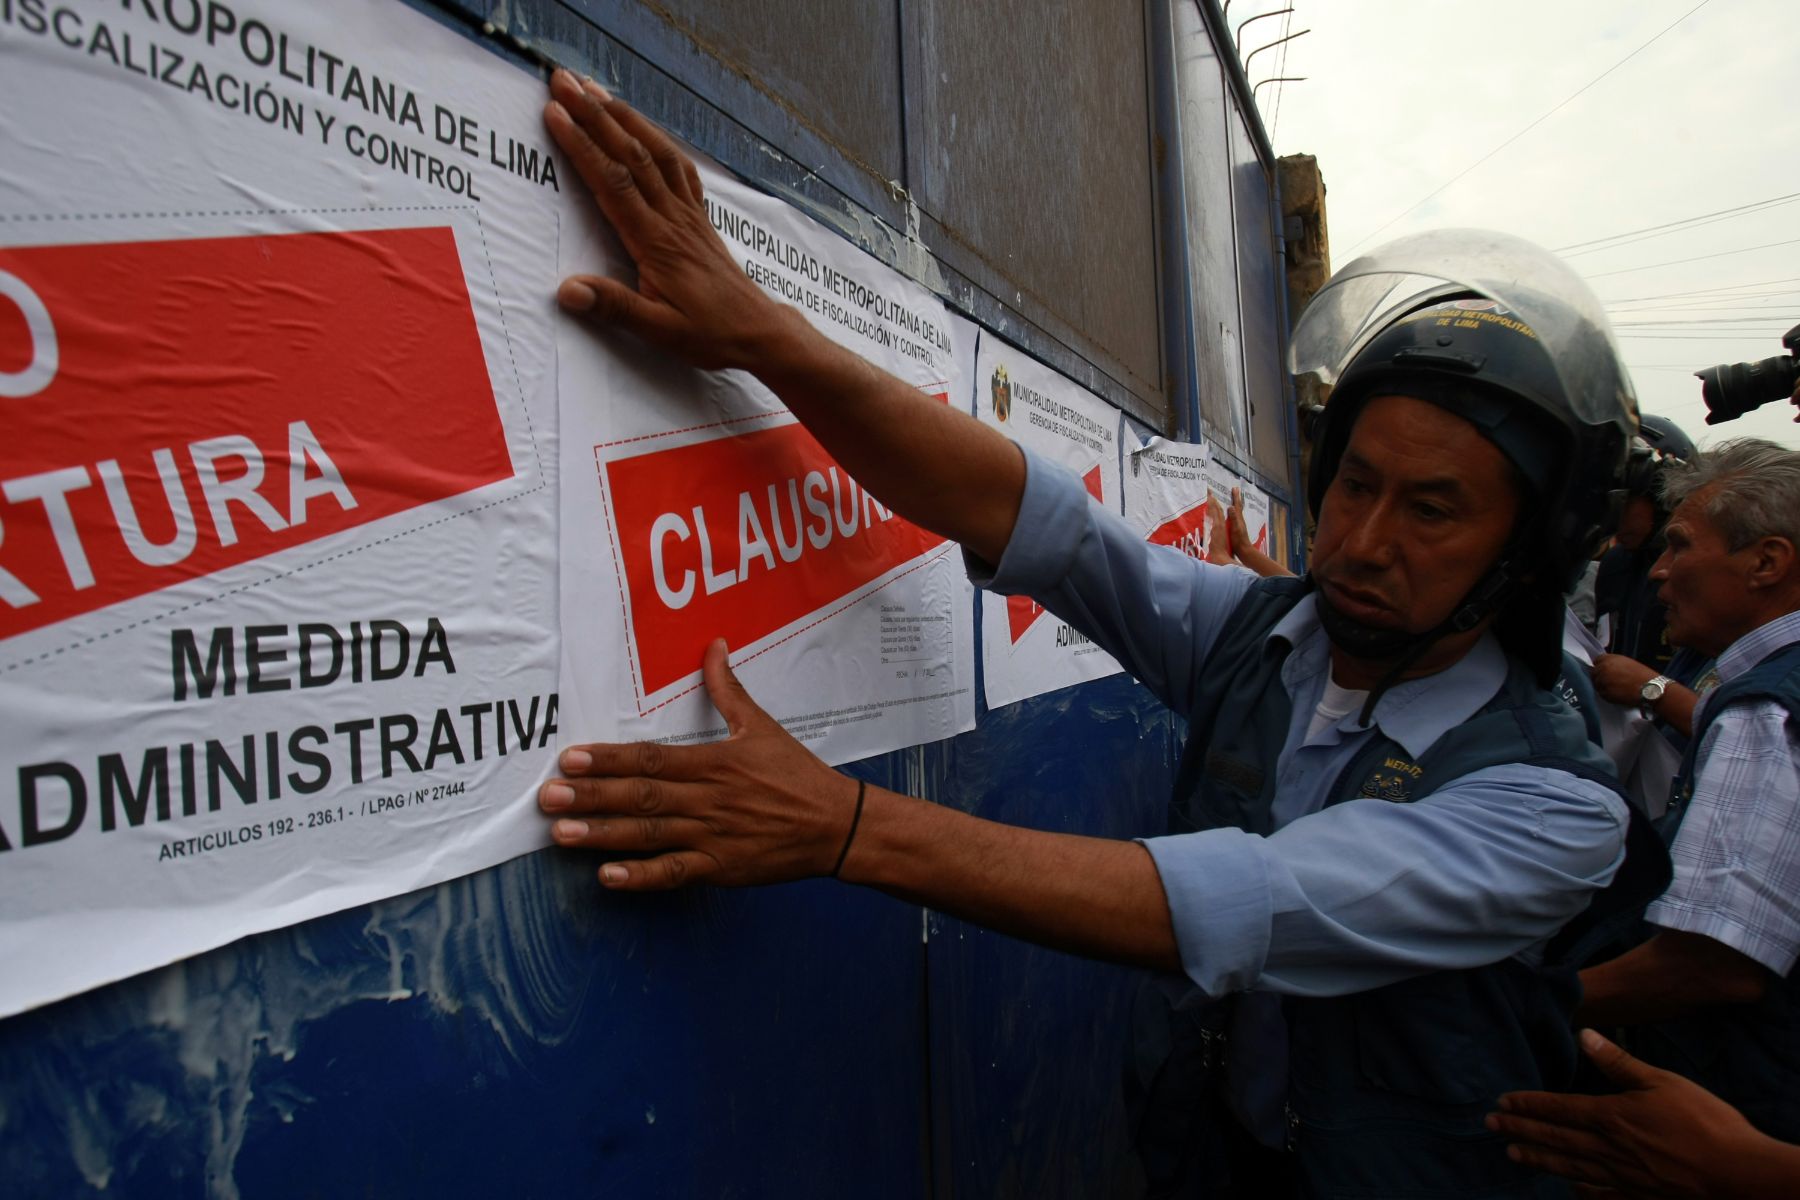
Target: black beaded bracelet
862	790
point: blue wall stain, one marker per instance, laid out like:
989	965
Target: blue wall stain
1029	1045
704	1043
521	1032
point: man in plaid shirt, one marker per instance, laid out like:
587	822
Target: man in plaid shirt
1713	990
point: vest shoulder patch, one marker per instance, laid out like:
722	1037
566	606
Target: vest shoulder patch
1393	780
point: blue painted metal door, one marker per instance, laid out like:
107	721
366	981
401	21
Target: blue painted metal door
519	1033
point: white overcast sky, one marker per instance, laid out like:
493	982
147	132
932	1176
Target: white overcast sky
1403	96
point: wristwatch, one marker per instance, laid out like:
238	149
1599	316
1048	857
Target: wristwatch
1650	693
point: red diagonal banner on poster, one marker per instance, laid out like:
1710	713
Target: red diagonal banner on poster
173	408
739	537
1184	531
1022	611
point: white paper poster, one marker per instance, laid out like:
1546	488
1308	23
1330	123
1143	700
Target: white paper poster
696	507
277	492
1025	649
1166	493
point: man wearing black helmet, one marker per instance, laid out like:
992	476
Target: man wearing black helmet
1623	590
1644	669
1390	821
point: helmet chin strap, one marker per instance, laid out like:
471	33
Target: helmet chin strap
1358	640
1403	648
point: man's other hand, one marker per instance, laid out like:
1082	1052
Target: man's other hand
1235	528
691	299
1661	1136
1218	532
755	808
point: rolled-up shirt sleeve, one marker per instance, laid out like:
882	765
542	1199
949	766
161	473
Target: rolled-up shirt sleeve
1155	609
1369	892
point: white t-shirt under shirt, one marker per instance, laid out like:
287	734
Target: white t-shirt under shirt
1334	704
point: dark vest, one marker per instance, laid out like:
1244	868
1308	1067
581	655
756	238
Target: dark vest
1688	668
1749	1055
1388	1088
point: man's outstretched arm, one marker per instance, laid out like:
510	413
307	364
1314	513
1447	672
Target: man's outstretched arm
760	808
936	467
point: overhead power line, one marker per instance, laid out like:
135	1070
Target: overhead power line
1697	337
1595	245
1733	300
1573	96
1287	23
1762	317
1685	409
1710	305
1674	262
1753	318
1238	41
1708	291
1750	326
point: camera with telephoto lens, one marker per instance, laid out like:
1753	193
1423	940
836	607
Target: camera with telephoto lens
1733	389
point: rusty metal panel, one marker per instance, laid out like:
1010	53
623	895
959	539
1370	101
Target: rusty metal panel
1028	143
834	66
1212	251
1259	300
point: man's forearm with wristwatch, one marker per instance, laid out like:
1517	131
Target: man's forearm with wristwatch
1627	682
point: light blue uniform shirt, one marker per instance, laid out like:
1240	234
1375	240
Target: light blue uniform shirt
1335	900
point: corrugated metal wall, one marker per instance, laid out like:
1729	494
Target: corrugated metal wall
1079	177
1029	143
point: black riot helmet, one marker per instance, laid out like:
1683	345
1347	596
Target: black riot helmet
1665	438
1660	443
1659	446
1498	331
